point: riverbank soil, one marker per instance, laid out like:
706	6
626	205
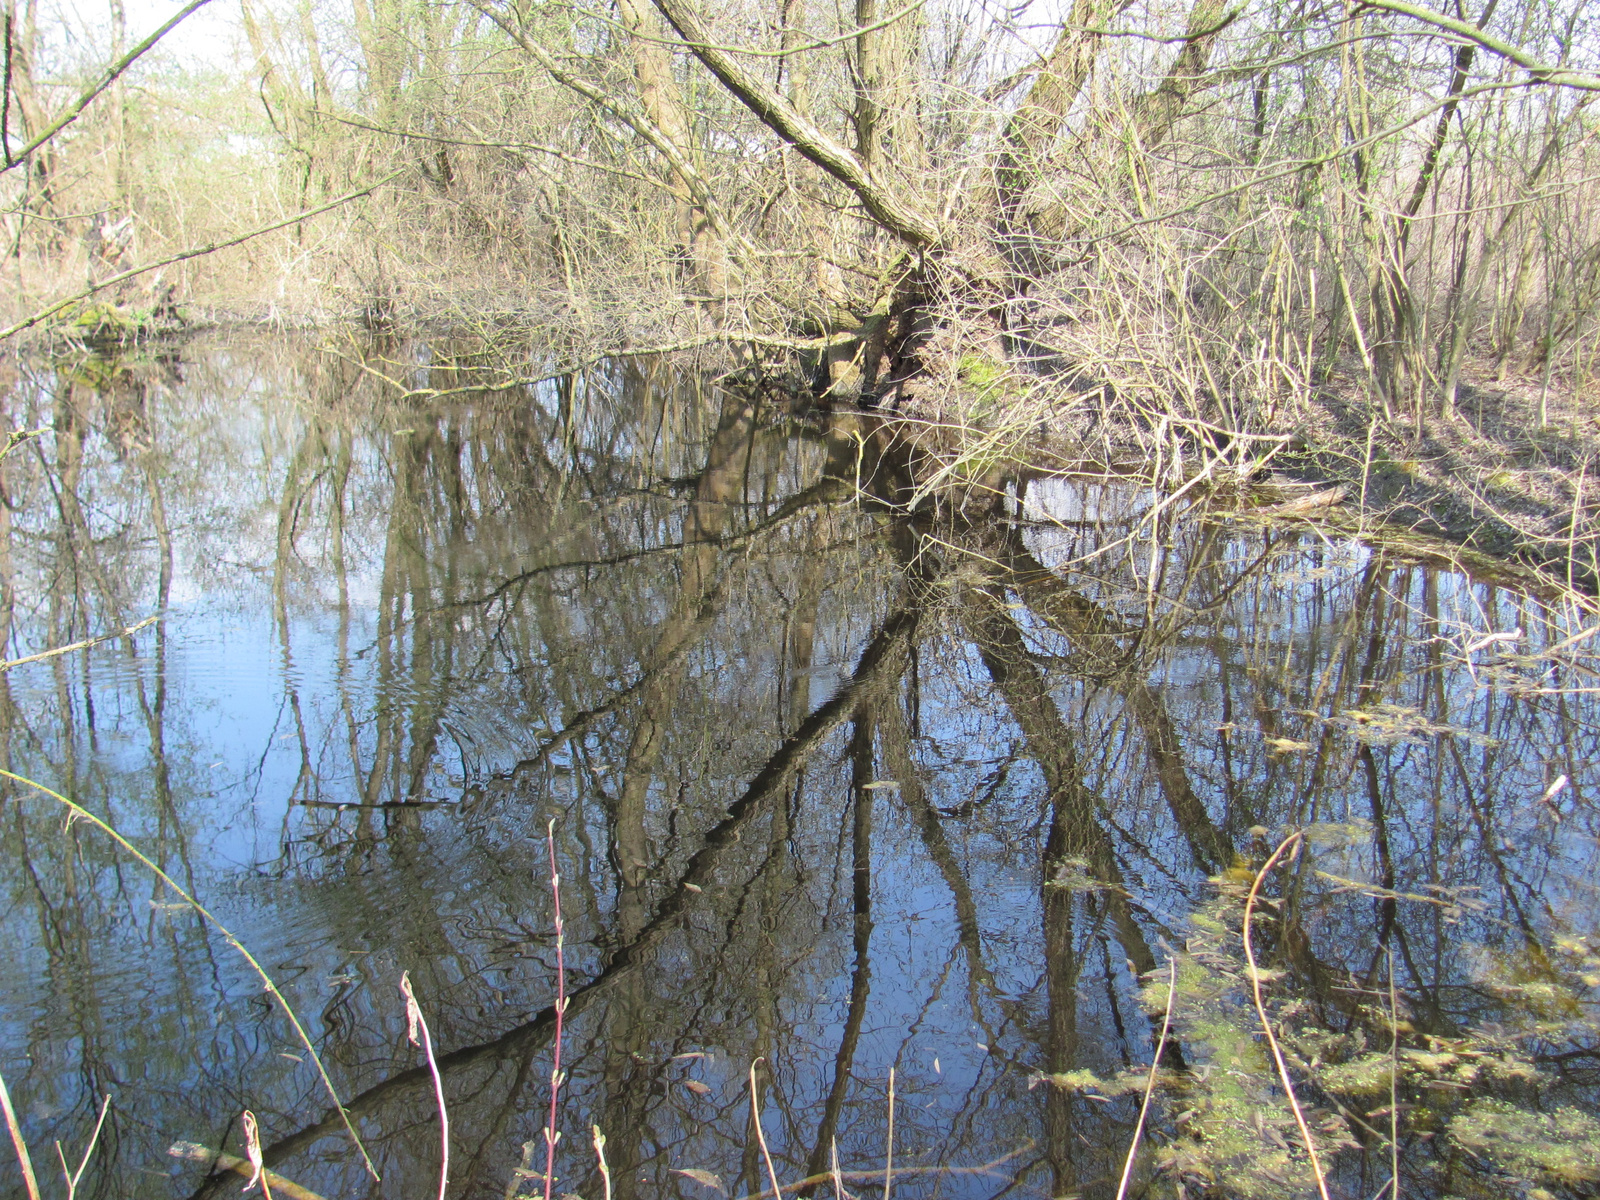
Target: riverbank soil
1509	477
1511	474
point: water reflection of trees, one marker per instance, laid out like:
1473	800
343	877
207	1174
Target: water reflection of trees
833	789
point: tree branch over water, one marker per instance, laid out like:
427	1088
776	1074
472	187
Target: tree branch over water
45	314
109	76
1543	72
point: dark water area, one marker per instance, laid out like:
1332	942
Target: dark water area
831	789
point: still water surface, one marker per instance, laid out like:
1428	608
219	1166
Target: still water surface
829	789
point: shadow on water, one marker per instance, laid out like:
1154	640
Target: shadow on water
831	788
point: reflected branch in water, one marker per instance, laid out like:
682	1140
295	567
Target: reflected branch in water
862	775
1096	636
83	814
877	669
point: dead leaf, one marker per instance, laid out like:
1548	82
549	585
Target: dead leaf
698	1088
708	1179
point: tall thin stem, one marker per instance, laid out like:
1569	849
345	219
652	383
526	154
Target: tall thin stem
600	1156
551	1134
888	1145
1266	1026
761	1137
1150	1083
417	1032
18	1142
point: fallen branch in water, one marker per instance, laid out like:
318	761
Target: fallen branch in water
876	1176
7	664
194	1152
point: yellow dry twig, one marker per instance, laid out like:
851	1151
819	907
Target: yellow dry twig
755	1119
73	1178
1150	1083
1266	1026
418	1035
267	982
21	1146
7	664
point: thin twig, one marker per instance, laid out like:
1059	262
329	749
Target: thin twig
600	1157
1394	1085
7	664
1272	1039
1150	1083
888	1143
17	1141
193	1152
417	1034
992	1167
761	1138
16	438
551	1134
74	1177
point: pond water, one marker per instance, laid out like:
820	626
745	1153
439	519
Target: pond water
830	791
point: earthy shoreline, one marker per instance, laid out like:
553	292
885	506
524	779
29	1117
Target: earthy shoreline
1488	491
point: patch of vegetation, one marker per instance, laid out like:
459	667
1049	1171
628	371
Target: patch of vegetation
102	323
989	384
1492	1109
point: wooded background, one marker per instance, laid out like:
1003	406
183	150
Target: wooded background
1200	209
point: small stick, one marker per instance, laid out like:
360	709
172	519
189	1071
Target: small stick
7	664
1150	1084
888	1146
73	1177
228	1162
1272	1040
990	1168
415	1024
600	1154
761	1138
551	1134
16	1140
833	1156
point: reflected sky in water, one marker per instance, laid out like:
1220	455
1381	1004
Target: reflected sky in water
830	788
